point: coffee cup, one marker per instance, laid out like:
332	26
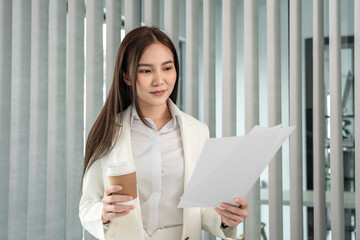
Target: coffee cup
123	174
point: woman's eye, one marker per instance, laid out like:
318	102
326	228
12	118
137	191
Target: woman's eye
167	68
144	71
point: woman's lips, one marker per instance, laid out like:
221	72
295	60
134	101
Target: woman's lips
158	93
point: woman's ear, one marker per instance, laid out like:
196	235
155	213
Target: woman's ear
126	79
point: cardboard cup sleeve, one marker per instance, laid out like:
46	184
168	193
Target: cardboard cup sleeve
127	182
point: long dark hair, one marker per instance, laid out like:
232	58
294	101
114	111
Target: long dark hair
107	126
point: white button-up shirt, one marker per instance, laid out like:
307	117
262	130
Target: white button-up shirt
159	160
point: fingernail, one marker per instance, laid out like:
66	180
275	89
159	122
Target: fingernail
130	198
222	205
118	188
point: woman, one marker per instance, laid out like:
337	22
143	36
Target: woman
141	123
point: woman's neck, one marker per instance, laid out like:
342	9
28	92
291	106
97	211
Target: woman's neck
160	115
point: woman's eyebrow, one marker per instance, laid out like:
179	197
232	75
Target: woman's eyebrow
149	65
167	62
144	64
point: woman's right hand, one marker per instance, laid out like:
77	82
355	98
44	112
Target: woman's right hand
110	209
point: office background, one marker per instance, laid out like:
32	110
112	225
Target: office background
243	62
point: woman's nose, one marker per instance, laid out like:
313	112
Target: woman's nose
158	78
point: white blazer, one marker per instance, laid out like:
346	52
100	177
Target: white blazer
130	227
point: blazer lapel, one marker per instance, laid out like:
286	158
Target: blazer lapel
131	225
188	145
191	216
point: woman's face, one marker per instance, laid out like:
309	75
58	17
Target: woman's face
155	76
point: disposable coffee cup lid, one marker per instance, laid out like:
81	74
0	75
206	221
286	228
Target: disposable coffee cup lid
121	168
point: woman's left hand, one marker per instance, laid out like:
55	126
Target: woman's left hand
232	215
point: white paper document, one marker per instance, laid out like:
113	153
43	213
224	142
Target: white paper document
228	167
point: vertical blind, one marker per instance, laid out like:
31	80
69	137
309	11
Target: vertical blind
53	80
5	108
20	119
113	29
274	113
336	158
192	58
38	118
209	64
357	114
75	114
56	164
251	62
296	188
152	9
319	122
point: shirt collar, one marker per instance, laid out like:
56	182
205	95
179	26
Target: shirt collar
174	110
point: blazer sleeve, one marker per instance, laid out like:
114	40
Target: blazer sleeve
210	219
90	207
211	222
